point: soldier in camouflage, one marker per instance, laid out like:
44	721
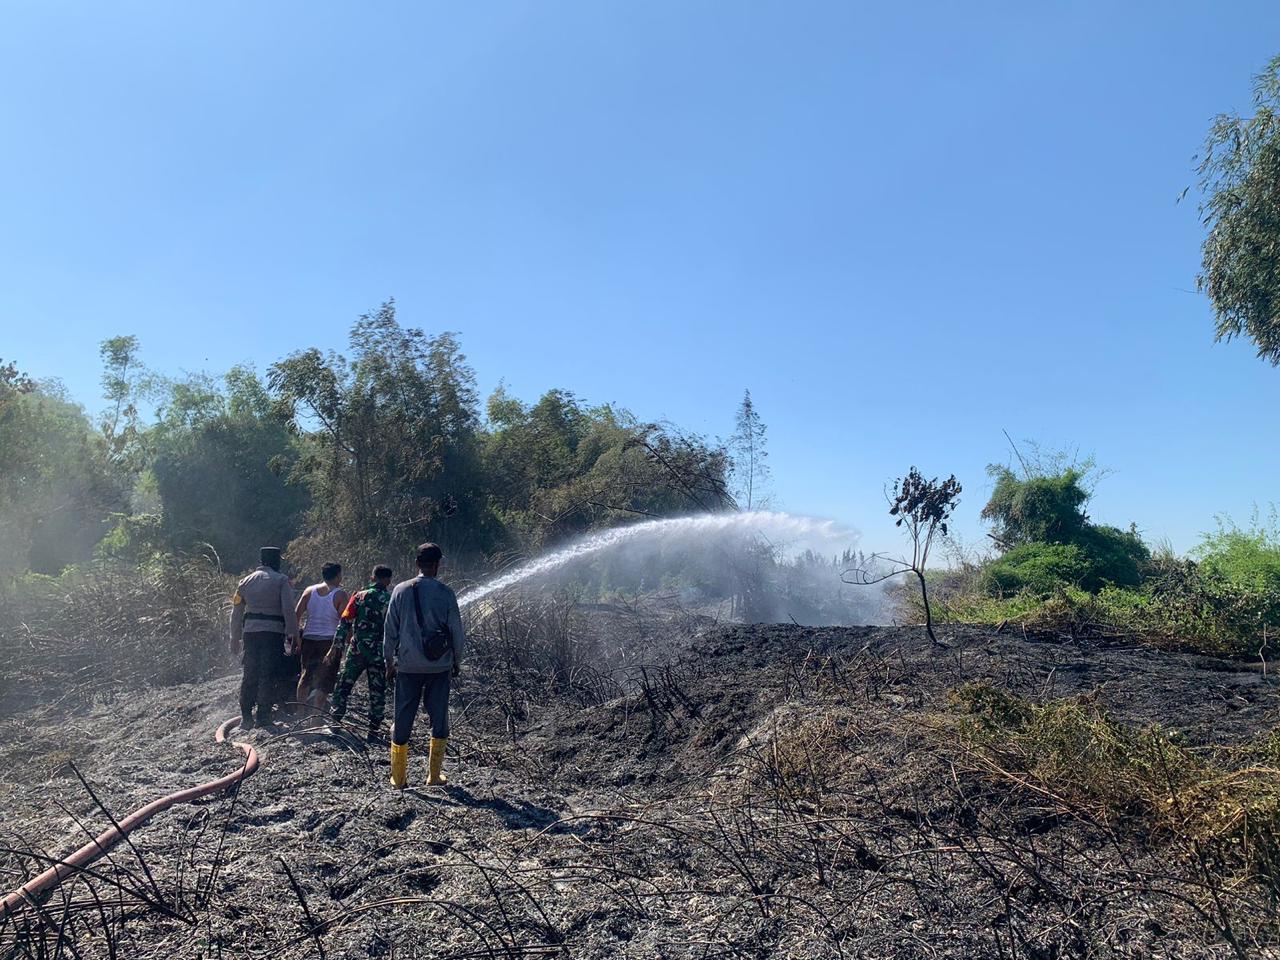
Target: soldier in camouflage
364	615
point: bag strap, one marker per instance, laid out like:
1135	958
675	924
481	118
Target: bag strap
422	626
417	609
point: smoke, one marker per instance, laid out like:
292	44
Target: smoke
766	566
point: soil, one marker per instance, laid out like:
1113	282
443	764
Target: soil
743	791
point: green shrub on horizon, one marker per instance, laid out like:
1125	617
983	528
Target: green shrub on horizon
1106	556
1186	611
1049	540
1038	568
1247	557
1118	556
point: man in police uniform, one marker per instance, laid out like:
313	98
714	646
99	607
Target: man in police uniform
262	619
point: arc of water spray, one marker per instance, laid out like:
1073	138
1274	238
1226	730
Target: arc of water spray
780	526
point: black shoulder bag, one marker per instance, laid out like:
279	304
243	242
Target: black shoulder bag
437	643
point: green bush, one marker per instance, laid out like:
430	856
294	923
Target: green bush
1105	556
1246	558
1117	556
1185	609
1103	581
1050	541
134	539
1039	568
1196	605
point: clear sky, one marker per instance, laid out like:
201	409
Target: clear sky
906	227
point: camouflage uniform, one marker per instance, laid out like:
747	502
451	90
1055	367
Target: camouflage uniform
366	612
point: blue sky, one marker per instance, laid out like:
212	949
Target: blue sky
906	227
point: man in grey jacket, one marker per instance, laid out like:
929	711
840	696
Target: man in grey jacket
423	644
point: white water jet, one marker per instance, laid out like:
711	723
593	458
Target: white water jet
779	528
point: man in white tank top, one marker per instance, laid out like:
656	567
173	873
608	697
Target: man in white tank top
319	610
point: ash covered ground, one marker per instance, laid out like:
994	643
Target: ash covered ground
718	791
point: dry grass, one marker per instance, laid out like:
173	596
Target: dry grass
107	628
782	794
1220	804
800	755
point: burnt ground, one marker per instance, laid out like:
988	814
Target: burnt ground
756	791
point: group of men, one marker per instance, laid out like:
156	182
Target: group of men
295	653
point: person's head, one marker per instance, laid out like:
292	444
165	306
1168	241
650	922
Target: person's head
429	559
332	573
382	575
270	557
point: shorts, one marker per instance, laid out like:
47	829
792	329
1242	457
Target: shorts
317	674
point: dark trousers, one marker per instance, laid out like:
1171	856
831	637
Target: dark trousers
431	689
260	684
288	670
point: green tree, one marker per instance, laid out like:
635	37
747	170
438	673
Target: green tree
530	450
13	383
1037	507
750	455
125	384
59	488
559	468
222	456
1240	185
391	450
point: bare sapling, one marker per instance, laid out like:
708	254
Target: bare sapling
923	508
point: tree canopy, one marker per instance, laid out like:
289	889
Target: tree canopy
59	487
1240	183
391	438
560	467
355	455
221	460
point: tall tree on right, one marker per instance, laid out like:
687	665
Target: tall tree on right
750	456
1240	183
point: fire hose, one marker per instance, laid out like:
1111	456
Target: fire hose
102	844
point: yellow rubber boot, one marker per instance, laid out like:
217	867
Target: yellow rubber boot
399	765
435	762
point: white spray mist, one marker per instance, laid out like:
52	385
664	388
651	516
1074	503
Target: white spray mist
781	529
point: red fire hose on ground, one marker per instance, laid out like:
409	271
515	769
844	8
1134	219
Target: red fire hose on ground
30	891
